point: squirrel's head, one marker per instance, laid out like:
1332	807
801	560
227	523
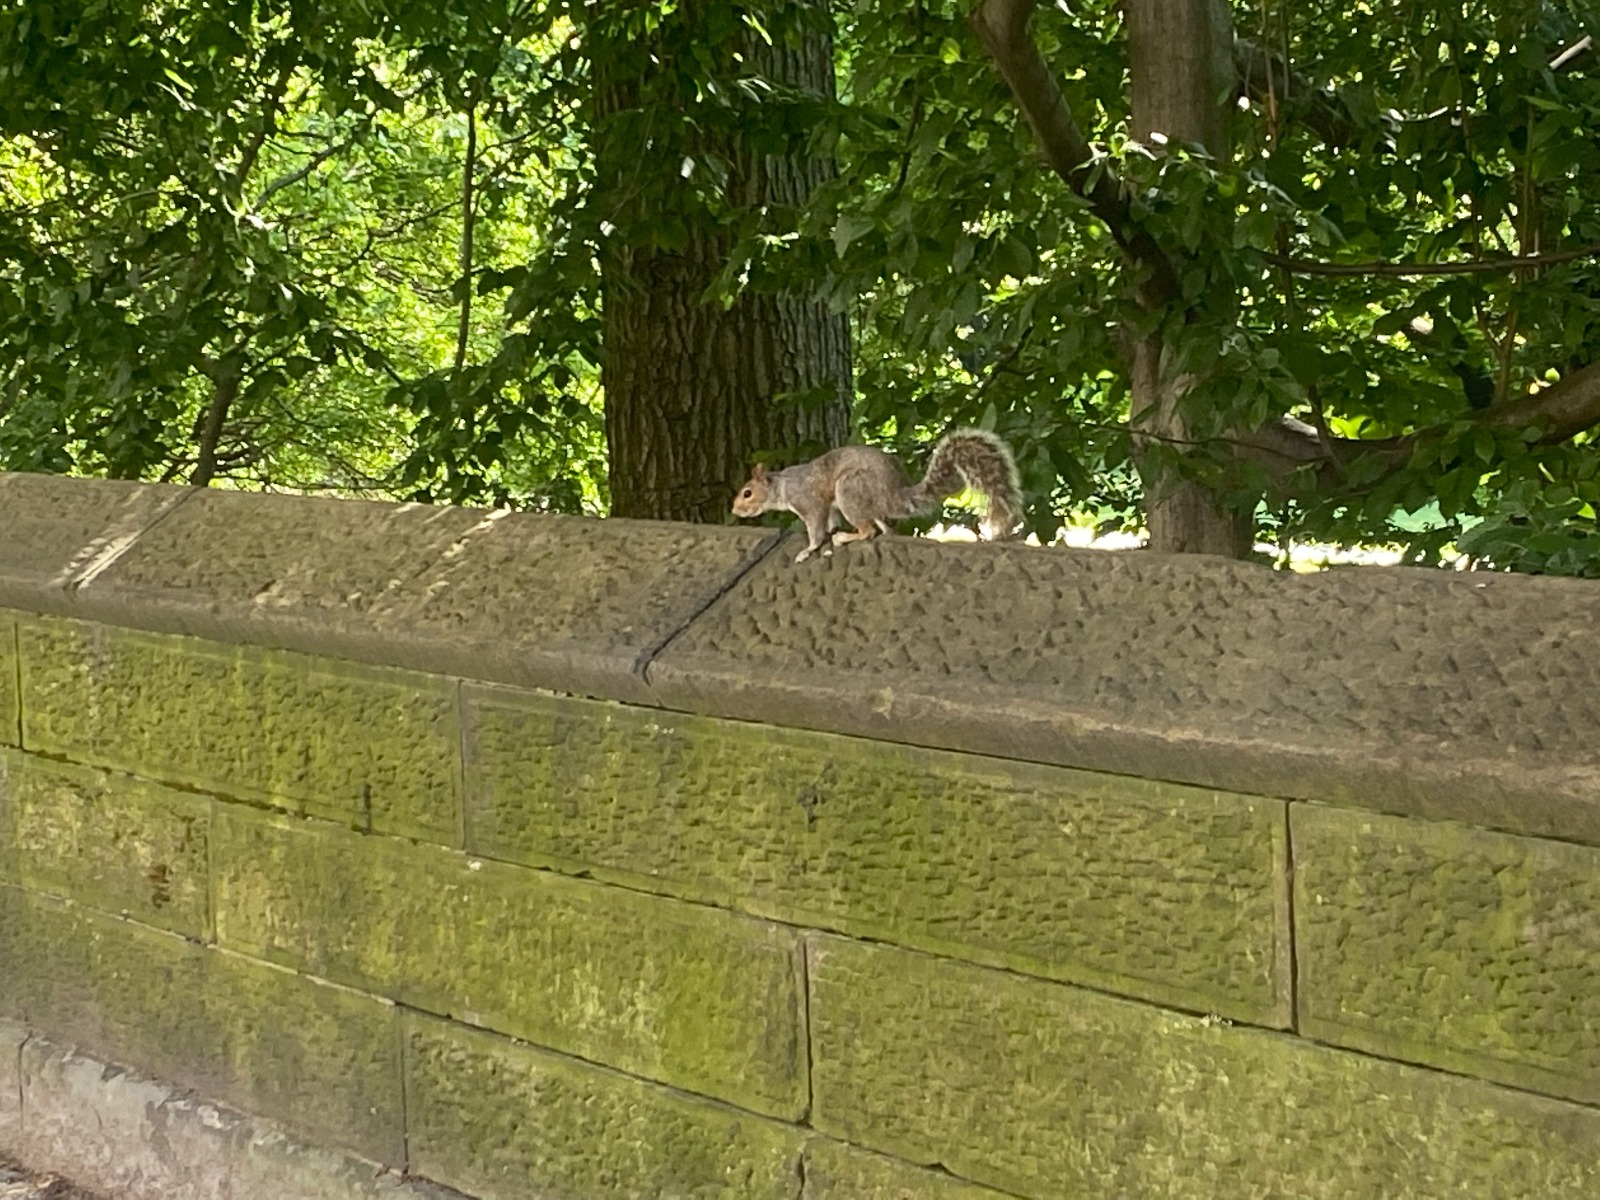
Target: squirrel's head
752	498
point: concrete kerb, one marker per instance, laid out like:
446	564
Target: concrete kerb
120	1134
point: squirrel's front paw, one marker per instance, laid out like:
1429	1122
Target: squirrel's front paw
803	555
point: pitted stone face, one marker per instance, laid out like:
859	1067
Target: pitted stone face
1388	654
559	602
55	530
1189	668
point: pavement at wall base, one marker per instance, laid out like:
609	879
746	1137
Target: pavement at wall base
17	1183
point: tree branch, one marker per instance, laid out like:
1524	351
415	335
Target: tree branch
1559	412
225	380
1002	27
468	169
1307	266
310	165
1259	69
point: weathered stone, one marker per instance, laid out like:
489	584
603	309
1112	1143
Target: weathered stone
835	1171
320	1059
10	714
689	995
1437	943
1051	1091
506	1122
110	840
1164	892
566	603
60	532
12	1037
376	748
1433	693
126	1136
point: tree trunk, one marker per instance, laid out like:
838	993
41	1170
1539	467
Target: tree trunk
1181	67
691	388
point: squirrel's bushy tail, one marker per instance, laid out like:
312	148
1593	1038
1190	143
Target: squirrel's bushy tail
973	458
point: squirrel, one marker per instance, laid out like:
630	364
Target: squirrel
866	488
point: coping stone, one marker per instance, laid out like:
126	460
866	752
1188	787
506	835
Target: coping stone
1418	692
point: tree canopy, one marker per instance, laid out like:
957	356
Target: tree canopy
370	248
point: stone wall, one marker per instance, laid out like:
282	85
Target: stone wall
572	859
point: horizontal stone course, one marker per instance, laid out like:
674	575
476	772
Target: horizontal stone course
1164	892
372	747
1052	1092
322	1060
111	840
507	1122
1443	694
692	996
1437	943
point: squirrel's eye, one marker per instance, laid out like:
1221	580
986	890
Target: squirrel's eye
747	493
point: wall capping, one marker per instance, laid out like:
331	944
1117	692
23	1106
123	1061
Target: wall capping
1414	692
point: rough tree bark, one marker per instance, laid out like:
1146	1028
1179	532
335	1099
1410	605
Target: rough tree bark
1180	58
691	388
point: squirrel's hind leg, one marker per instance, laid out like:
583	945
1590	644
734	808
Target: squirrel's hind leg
859	500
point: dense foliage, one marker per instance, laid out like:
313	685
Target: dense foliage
356	247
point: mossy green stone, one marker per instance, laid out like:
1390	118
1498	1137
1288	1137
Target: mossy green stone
705	999
108	839
1438	943
1169	893
1055	1092
507	1122
10	716
373	747
320	1059
835	1171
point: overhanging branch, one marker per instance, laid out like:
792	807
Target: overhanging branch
1002	27
1556	414
1476	266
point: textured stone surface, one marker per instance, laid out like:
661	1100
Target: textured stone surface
1053	1092
689	995
559	602
507	1122
1436	943
835	1171
10	715
110	840
323	1060
59	531
134	1138
374	747
1453	694
12	1036
1164	892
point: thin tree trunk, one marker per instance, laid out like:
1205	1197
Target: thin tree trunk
1181	66
225	382
691	388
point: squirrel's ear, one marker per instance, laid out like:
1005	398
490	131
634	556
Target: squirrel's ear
759	472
